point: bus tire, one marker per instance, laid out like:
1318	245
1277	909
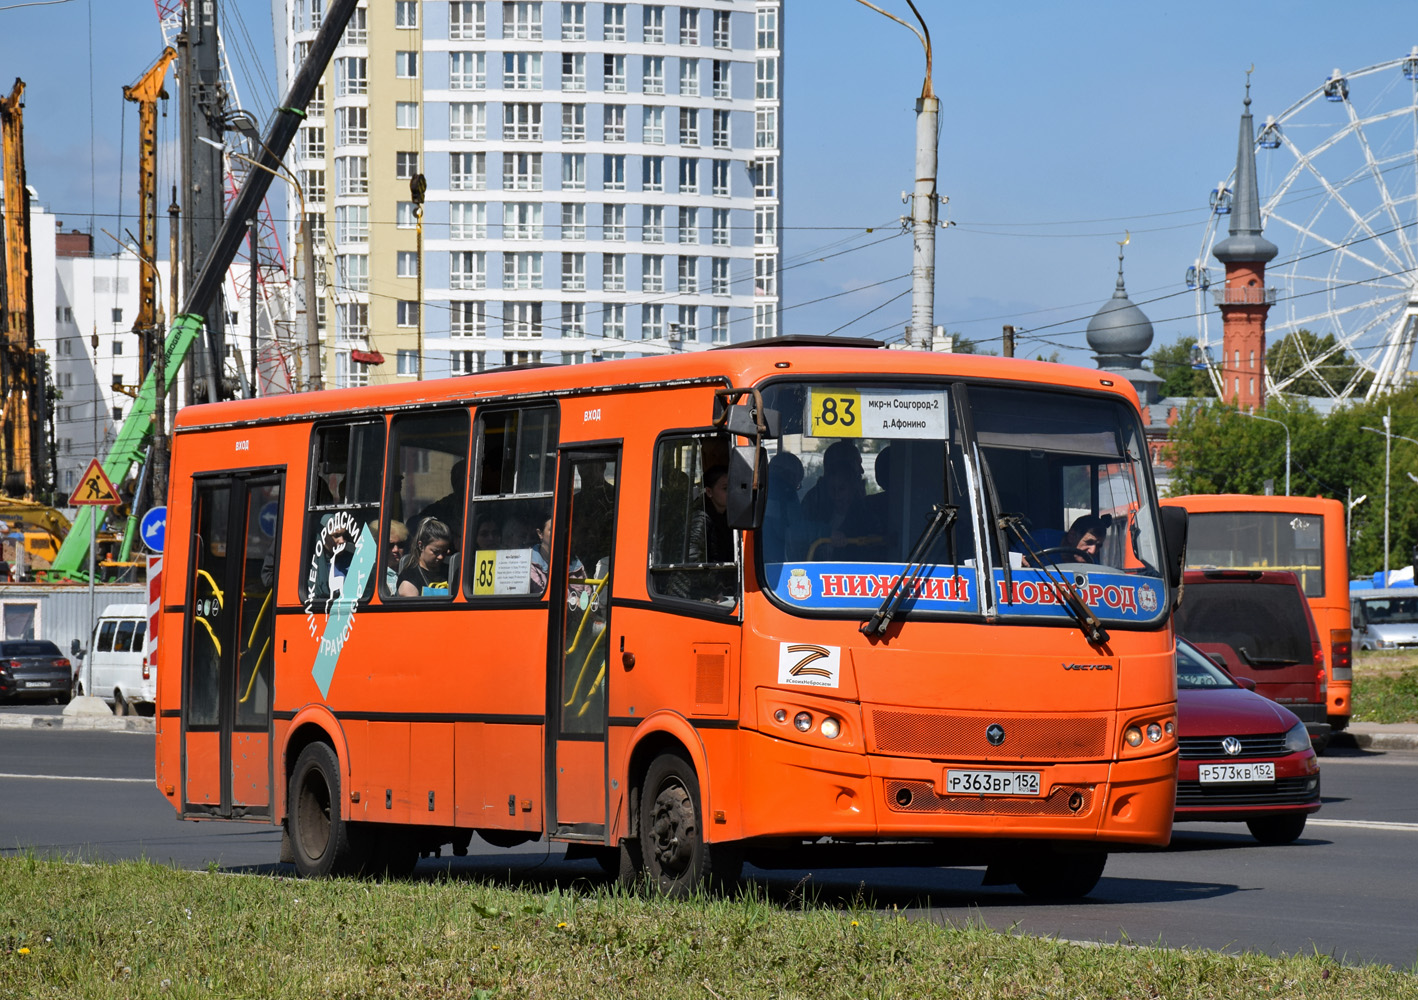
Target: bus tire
322	842
676	858
1056	874
1277	830
393	852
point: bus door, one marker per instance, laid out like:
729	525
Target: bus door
228	651
579	649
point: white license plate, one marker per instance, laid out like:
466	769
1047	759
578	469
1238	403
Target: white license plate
1237	774
38	684
992	782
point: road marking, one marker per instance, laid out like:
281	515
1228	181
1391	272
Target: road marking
78	777
1365	824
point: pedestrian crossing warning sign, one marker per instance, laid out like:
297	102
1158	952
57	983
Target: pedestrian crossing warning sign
94	489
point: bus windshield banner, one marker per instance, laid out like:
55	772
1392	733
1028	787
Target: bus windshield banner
876	413
1111	595
853	586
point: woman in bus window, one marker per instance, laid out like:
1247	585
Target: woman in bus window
427	572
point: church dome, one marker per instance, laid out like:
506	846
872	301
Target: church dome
1119	327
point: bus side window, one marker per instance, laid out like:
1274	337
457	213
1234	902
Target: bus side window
428	493
105	637
692	546
513	485
123	640
346	478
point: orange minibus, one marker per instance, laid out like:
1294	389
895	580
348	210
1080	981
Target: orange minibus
1304	535
789	603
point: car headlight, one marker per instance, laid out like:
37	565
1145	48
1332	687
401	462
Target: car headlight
1378	644
1297	738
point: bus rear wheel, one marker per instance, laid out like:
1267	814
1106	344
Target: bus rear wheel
1277	829
1054	874
321	840
672	845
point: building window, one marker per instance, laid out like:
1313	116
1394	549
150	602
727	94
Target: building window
467	220
357	30
654	75
652	173
352	273
688	224
351	76
522	220
573	22
767	37
613	272
312	143
406	14
312	182
522	171
408	363
719	275
689	26
522	270
406	165
614	170
765	178
406	114
613	321
316	107
117	315
765	128
522	70
466	362
689	275
654	125
573	171
522	122
614	129
406	313
117	345
689	126
765	225
652	273
765	276
117	414
406	65
407	264
614	68
352	126
720	227
613	223
765	321
467	121
573	319
573	123
720	179
521	319
652	321
522	20
351	224
467	21
688	323
467	71
722	38
721	78
573	221
615	22
653	224
467	171
689	76
688	175
654	25
467	270
573	71
720	329
406	215
766	80
721	129
467	319
573	272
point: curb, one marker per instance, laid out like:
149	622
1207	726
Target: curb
1375	740
113	723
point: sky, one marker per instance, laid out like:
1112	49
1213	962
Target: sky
1063	127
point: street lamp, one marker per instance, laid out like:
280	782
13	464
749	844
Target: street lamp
923	201
1272	420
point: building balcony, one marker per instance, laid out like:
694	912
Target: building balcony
1244	296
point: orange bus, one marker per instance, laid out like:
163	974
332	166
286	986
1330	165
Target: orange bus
789	603
1302	534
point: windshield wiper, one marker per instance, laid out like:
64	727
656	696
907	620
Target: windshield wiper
942	517
1088	622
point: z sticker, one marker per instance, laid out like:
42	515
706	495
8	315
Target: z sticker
809	665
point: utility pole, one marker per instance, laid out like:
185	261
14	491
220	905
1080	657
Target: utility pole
418	185
1008	341
312	311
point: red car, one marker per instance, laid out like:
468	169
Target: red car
1243	757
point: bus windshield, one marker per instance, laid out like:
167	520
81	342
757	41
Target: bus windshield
1265	540
1044	490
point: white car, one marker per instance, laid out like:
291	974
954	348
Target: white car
1385	619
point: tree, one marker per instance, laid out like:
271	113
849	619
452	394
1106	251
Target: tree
961	344
1173	363
1336	368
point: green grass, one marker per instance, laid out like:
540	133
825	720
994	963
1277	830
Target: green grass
142	930
1386	697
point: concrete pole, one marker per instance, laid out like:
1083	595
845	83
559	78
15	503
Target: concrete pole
923	222
1388	443
312	312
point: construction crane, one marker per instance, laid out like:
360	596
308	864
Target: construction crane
22	367
131	444
146	93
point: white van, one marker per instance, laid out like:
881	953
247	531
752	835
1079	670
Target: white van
118	650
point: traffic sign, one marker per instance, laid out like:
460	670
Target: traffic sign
94	489
267	517
153	528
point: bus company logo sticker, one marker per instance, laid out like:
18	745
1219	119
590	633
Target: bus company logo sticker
995	734
1087	666
346	573
799	586
1147	598
810	665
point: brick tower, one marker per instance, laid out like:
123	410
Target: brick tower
1245	300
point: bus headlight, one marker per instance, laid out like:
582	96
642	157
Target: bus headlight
803	721
1133	735
830	728
1154	732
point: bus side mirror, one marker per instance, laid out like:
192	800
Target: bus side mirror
1174	538
748	476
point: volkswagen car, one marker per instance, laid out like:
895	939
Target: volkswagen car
1244	758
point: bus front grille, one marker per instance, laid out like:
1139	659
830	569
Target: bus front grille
952	736
905	796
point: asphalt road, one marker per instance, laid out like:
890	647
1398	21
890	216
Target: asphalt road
1348	888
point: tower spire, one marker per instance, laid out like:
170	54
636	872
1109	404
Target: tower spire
1246	242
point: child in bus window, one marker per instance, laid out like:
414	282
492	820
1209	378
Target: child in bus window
427	572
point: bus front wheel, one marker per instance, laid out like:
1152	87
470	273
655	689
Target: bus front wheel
321	840
672	832
1053	874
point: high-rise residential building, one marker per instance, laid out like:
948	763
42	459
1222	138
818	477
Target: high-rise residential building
497	183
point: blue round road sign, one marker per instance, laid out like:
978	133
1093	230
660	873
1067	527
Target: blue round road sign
153	528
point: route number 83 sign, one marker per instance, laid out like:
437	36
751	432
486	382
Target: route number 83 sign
887	413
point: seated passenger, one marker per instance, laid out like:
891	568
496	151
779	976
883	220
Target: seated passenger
834	511
426	572
396	550
782	513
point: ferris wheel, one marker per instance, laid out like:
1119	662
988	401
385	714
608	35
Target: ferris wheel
1338	185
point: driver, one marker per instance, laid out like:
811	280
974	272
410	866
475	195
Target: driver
1084	540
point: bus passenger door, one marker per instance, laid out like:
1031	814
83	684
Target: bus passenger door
228	655
579	654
